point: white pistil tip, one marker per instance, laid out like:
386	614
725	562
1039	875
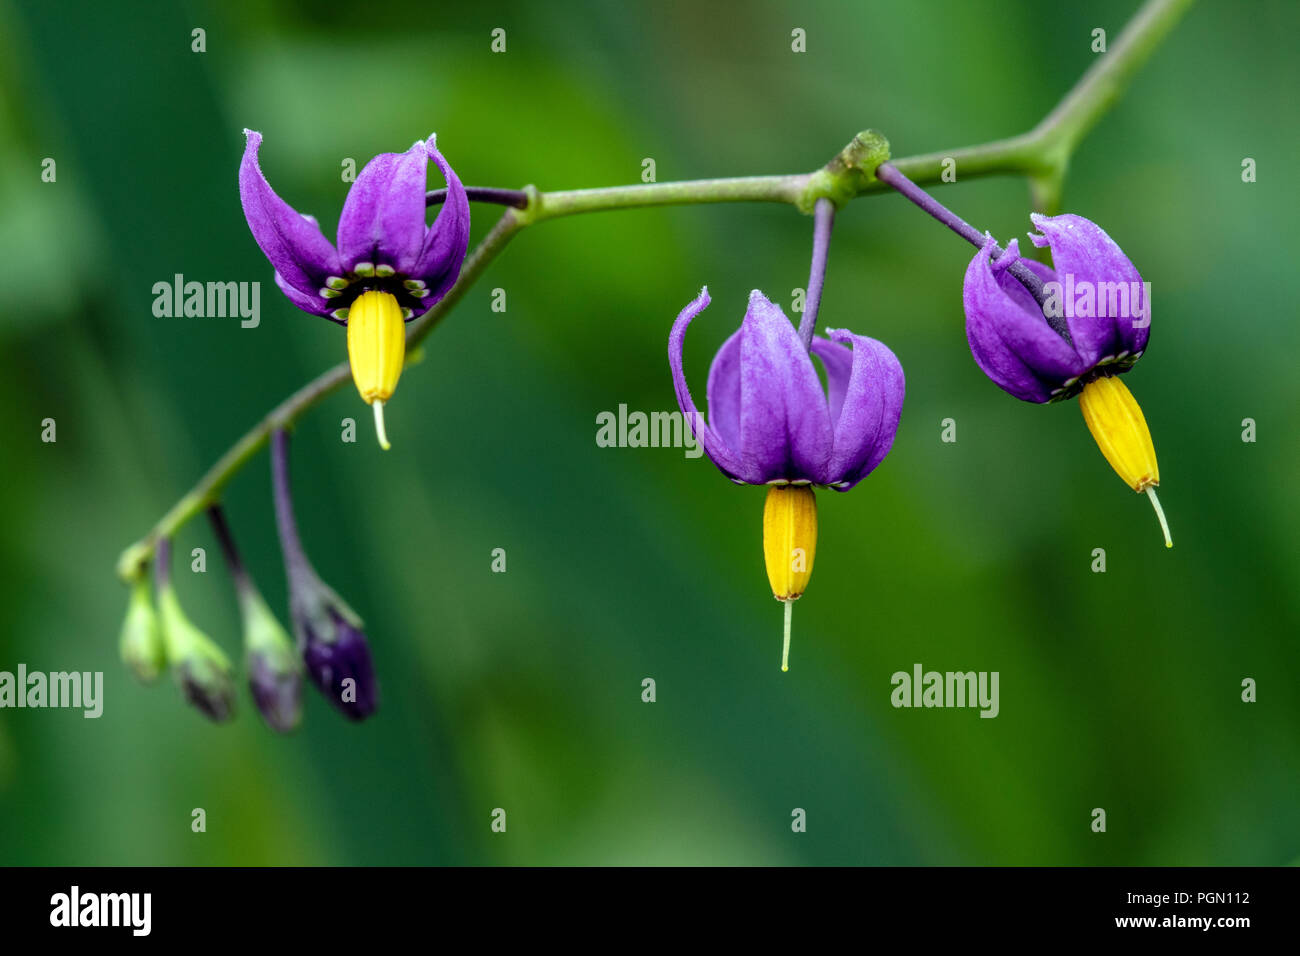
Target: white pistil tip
1160	513
379	425
785	648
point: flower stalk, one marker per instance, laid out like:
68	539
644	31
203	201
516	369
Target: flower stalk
823	220
890	174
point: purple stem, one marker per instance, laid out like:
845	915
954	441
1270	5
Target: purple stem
294	557
890	175
823	220
222	530
500	197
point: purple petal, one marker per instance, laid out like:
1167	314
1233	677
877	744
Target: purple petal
313	304
383	217
1013	286
1009	337
446	240
866	389
785	423
723	391
717	450
838	362
298	250
1082	249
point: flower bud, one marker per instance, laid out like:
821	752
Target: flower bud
274	670
376	350
334	648
202	671
343	672
141	642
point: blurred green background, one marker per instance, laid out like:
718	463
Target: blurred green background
522	690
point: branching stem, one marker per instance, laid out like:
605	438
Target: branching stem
1042	155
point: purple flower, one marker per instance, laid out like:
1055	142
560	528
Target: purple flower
383	243
1094	321
770	422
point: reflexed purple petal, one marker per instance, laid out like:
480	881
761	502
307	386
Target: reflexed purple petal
1008	334
838	362
447	239
383	217
723	392
1082	249
313	304
293	243
866	403
717	450
785	424
1014	287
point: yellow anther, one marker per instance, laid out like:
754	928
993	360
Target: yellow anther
1116	422
376	350
789	546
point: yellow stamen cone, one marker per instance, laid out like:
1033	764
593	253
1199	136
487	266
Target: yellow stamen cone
376	351
1116	422
789	547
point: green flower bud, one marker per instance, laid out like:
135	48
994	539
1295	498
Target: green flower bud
142	643
201	669
274	667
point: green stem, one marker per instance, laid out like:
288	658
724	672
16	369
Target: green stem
1044	152
1106	80
782	189
1041	154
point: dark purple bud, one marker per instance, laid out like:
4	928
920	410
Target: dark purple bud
340	666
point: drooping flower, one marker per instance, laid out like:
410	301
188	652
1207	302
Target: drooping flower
388	267
1094	293
771	423
1092	325
329	633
